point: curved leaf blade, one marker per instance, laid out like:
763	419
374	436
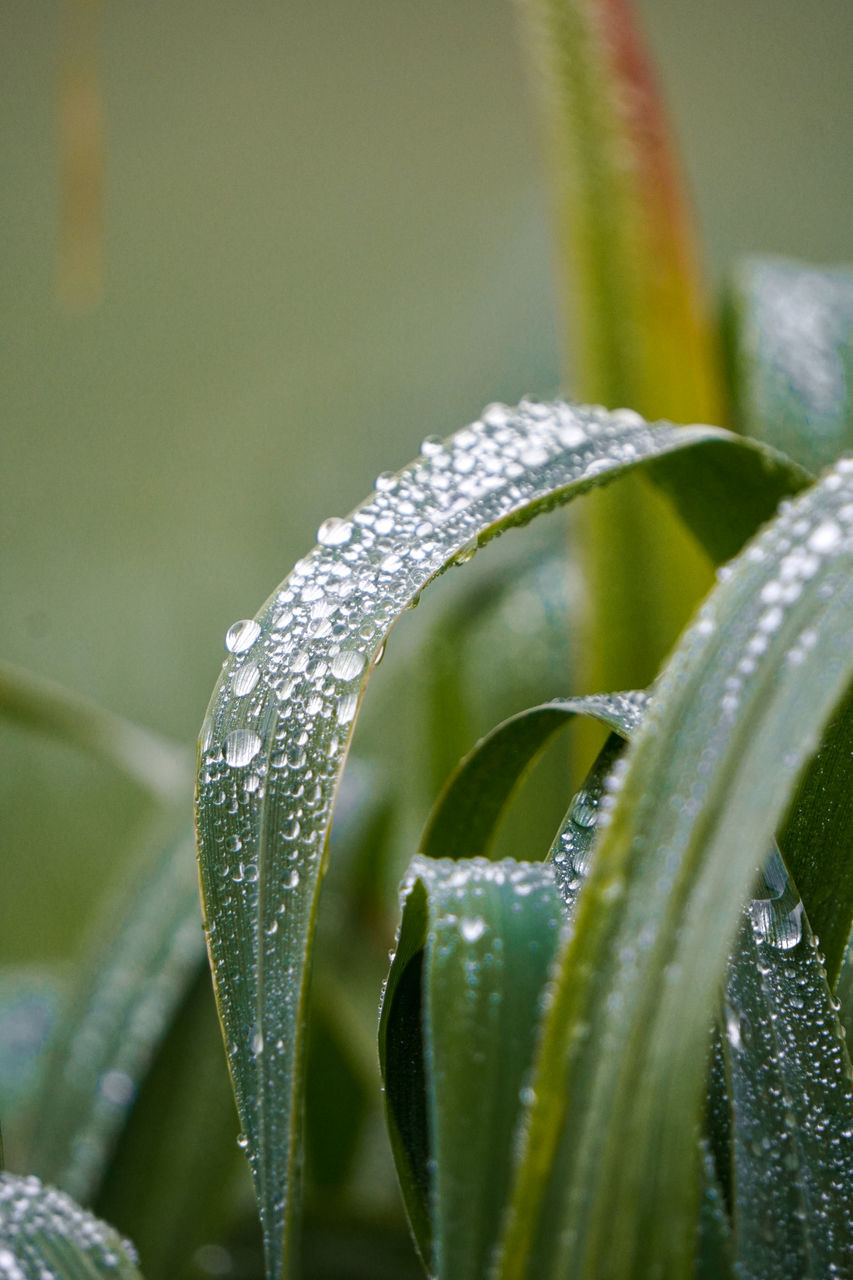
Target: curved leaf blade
44	1235
790	333
464	821
152	762
736	715
280	719
486	934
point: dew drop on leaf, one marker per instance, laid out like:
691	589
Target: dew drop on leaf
241	746
242	635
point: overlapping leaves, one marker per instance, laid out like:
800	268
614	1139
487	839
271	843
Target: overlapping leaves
280	719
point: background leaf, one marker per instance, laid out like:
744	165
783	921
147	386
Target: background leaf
636	330
790	352
278	727
44	1235
151	761
149	949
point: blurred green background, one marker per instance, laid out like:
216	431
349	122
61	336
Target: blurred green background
325	237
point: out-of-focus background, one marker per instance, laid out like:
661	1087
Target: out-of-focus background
325	236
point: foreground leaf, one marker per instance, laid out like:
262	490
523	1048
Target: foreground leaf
789	1082
457	1033
149	949
279	723
44	1235
620	1082
791	357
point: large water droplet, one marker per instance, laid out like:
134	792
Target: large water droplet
334	532
348	664
241	746
242	635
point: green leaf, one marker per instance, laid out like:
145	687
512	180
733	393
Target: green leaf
464	821
630	288
790	348
154	763
148	949
635	317
621	1078
790	1085
44	1235
280	719
817	839
457	1034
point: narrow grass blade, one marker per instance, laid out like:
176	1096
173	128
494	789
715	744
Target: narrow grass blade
792	1096
631	288
279	724
636	324
790	337
620	1081
466	815
465	1000
154	763
149	948
44	1235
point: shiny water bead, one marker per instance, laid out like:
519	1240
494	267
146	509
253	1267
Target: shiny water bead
242	635
241	746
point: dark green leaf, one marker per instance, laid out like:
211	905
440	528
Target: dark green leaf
464	821
44	1235
279	724
621	1078
458	1029
791	357
817	839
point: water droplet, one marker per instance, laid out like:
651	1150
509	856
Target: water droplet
241	746
584	811
242	635
826	537
242	1141
334	532
472	928
246	679
348	664
431	446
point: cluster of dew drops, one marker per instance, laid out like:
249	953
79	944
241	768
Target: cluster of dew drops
31	1213
290	690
